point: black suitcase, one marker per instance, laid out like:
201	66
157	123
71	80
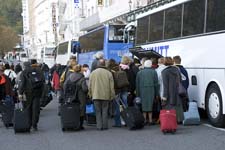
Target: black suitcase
7	113
131	115
133	118
70	116
22	120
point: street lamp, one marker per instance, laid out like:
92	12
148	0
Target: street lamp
46	35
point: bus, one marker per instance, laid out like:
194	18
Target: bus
48	56
65	50
109	39
195	30
22	56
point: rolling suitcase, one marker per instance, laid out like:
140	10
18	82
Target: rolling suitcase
22	120
132	116
7	112
70	116
191	117
168	121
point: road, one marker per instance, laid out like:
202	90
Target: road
50	137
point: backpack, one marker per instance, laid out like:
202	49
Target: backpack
12	81
35	78
70	91
120	79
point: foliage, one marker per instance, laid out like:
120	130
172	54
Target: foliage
11	10
10	24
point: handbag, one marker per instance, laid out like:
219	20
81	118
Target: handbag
90	109
181	90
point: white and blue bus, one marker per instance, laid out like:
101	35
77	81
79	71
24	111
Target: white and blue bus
109	39
65	50
195	30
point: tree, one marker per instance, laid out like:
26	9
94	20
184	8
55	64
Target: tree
11	11
8	39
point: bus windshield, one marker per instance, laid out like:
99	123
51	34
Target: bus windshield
49	51
63	48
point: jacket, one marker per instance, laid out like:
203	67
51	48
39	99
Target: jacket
101	85
170	78
82	89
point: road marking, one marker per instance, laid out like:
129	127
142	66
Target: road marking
208	125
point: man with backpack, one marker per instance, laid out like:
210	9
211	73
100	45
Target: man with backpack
31	84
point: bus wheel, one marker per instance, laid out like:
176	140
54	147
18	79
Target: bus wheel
214	106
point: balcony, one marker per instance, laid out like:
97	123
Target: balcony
103	16
90	22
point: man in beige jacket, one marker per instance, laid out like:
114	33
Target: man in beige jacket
101	90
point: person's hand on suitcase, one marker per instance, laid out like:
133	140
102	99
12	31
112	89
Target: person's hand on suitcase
20	97
163	99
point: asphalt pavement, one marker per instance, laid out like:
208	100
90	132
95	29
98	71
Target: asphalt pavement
50	137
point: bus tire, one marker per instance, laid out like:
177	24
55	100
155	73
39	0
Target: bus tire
214	106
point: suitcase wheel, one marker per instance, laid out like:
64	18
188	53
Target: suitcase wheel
63	129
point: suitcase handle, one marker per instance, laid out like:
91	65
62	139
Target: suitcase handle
118	97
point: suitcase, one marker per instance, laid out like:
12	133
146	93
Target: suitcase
131	115
192	117
7	112
168	121
22	120
70	116
133	118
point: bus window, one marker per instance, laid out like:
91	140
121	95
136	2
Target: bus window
215	15
63	48
116	33
92	41
194	17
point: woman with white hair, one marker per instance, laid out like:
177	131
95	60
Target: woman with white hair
147	89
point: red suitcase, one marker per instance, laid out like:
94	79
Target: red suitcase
168	121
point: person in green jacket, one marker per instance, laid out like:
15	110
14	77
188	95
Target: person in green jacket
147	89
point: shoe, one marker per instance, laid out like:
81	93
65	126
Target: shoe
35	128
105	128
99	129
117	126
152	123
82	128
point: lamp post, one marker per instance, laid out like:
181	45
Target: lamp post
46	36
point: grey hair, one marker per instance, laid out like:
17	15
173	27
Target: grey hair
148	63
99	55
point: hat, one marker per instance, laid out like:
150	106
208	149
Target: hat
26	64
33	61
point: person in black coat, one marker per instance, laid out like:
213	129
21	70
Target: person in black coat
171	98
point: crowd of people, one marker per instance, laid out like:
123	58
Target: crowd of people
107	84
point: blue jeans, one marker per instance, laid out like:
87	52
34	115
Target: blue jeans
121	96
